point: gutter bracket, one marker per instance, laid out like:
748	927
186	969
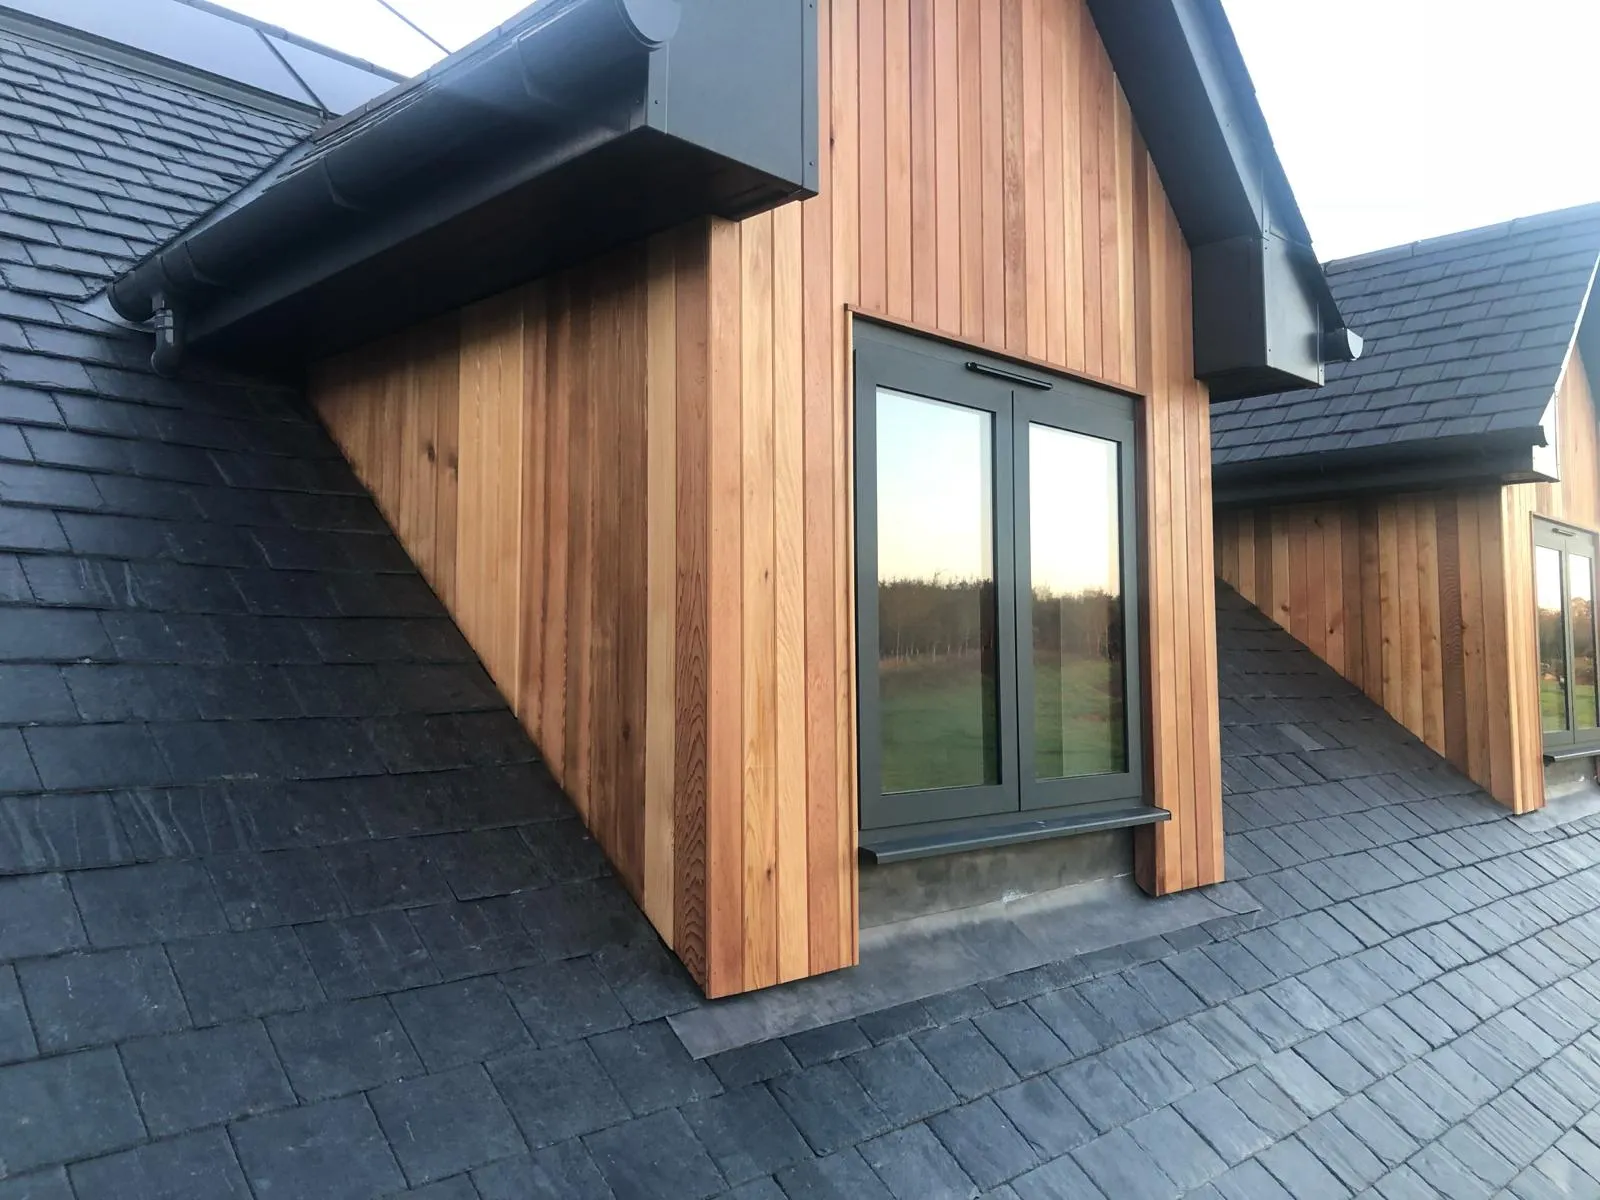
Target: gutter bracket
168	325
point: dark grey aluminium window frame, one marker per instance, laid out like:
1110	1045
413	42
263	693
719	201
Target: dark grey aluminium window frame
1017	395
1569	540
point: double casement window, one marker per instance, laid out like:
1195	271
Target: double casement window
1564	589
997	562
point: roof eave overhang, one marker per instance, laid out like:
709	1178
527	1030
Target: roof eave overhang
580	126
1264	317
1428	464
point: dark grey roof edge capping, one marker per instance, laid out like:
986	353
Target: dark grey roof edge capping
563	134
1468	335
1264	316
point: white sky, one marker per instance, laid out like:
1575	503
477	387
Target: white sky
1396	119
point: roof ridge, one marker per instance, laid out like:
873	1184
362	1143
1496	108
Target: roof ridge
1482	232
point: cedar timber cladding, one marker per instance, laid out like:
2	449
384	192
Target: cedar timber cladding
632	482
1425	600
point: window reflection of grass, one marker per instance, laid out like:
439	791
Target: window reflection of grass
1078	718
940	724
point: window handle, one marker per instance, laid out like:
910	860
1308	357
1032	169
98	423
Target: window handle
1044	385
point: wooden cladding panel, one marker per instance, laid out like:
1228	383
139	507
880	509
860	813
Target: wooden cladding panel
1574	499
1413	614
1439	621
1048	237
660	466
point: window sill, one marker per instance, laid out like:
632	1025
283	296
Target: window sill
885	846
1587	750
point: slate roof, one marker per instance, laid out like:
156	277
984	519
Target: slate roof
289	908
1465	335
99	165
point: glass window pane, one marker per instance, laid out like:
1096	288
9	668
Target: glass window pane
1580	575
1552	639
1075	555
937	652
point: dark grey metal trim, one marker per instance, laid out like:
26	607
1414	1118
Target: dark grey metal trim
1111	418
903	361
891	849
577	127
1043	385
1568	540
1490	458
1261	302
900	363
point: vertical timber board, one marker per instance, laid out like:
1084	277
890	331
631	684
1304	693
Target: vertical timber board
684	654
659	891
489	502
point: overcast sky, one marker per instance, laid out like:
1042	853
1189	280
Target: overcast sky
1396	119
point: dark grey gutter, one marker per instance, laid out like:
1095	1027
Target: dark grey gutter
1265	319
1504	456
565	132
555	66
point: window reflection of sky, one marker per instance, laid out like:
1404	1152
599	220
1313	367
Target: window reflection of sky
936	498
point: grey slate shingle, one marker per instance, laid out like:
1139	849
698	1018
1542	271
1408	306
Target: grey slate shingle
1465	334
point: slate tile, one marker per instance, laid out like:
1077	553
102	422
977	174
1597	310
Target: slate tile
984	1142
335	1049
902	1020
328	1151
1062	1179
1023	1039
387	874
914	1165
746	1133
826	1043
151	902
33	694
1147	1073
1174	1147
82	1000
1079	1025
476	938
91	757
1119	1166
557	1093
576	919
654	1156
651	1068
199	1166
58	1110
565	1171
1223	1124
1301	1171
901	1081
965	1059
280	887
564	1001
452	1024
46	1185
1041	1112
481	863
41	917
648	979
364	956
188	1080
755	1063
829	1107
440	1125
1098	1092
16	1034
842	1176
234	975
34	635
60	832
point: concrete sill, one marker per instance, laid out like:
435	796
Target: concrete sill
884	847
